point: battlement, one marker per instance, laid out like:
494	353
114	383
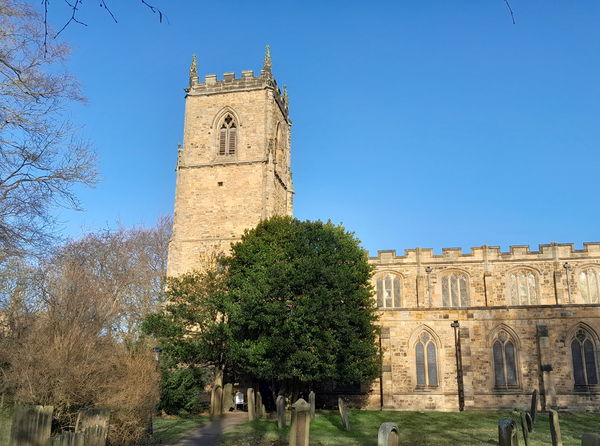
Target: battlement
229	83
552	251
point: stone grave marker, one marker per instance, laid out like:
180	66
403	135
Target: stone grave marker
344	413
525	427
507	433
300	430
280	404
529	421
312	401
555	428
533	410
228	397
216	402
260	408
388	435
590	439
251	404
31	425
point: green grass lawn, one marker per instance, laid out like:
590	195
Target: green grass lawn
416	428
169	429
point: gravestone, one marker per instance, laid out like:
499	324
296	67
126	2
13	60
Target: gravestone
216	402
239	401
260	409
251	404
555	428
525	427
300	430
228	397
344	413
529	422
280	404
533	410
31	425
93	423
388	435
312	401
590	439
507	433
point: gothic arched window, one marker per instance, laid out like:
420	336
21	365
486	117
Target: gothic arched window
389	292
455	290
426	358
585	365
523	288
589	285
228	136
505	361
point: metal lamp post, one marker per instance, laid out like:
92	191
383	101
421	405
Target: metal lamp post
459	369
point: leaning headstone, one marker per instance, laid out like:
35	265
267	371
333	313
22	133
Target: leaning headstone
259	406
555	428
344	413
228	397
312	401
300	430
388	435
529	422
31	425
590	439
68	439
525	427
280	404
533	410
507	433
251	404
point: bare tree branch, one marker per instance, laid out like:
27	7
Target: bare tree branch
512	15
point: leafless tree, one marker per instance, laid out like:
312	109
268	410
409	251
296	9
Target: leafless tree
41	155
69	327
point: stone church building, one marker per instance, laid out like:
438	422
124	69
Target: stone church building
479	330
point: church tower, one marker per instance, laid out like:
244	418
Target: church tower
234	167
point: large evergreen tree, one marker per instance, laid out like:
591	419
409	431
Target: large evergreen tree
300	305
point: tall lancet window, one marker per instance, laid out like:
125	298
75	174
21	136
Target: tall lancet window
228	136
585	367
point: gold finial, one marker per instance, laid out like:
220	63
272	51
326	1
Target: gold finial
267	66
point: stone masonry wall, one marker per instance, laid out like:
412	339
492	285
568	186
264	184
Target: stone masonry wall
542	333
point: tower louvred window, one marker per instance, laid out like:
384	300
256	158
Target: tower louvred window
228	136
389	292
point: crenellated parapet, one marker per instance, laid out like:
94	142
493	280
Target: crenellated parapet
544	252
231	83
555	273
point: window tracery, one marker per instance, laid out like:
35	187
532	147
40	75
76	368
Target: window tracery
455	290
585	362
426	361
504	352
389	291
228	136
523	288
589	285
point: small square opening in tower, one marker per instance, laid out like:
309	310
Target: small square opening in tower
220	183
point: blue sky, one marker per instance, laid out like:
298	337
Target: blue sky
434	123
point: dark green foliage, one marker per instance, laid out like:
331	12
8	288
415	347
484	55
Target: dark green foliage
292	306
300	305
180	389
